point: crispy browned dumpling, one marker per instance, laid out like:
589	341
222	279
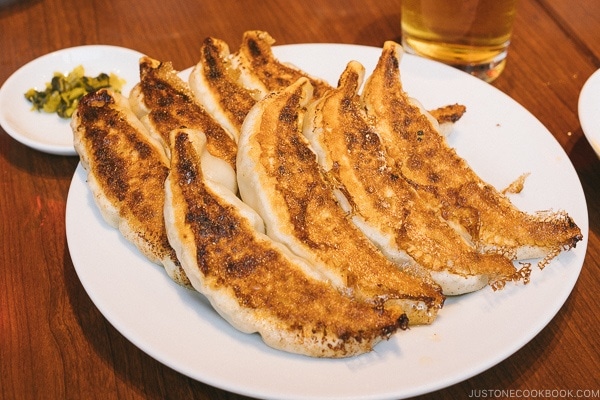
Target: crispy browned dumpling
126	174
256	284
215	83
387	208
279	177
447	182
261	70
165	102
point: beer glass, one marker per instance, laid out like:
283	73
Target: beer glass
472	35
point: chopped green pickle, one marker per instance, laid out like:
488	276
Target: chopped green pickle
62	93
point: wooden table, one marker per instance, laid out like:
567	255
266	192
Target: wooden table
55	344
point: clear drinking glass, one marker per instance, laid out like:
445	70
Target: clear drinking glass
472	35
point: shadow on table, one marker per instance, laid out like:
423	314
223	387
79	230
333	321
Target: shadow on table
9	6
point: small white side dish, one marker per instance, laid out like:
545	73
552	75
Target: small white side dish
48	132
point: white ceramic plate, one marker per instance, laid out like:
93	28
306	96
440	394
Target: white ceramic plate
589	110
48	132
474	332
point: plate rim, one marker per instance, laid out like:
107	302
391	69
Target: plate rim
590	121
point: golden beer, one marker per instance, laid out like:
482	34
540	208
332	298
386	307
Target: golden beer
472	35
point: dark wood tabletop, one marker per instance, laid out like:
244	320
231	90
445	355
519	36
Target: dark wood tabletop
55	344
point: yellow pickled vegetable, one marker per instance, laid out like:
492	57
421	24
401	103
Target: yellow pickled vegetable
62	93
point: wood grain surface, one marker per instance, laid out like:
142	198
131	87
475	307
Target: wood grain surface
55	344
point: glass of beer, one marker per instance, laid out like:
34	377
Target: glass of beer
472	35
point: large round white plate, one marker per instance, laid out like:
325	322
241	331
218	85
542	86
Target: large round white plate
589	110
48	132
178	327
